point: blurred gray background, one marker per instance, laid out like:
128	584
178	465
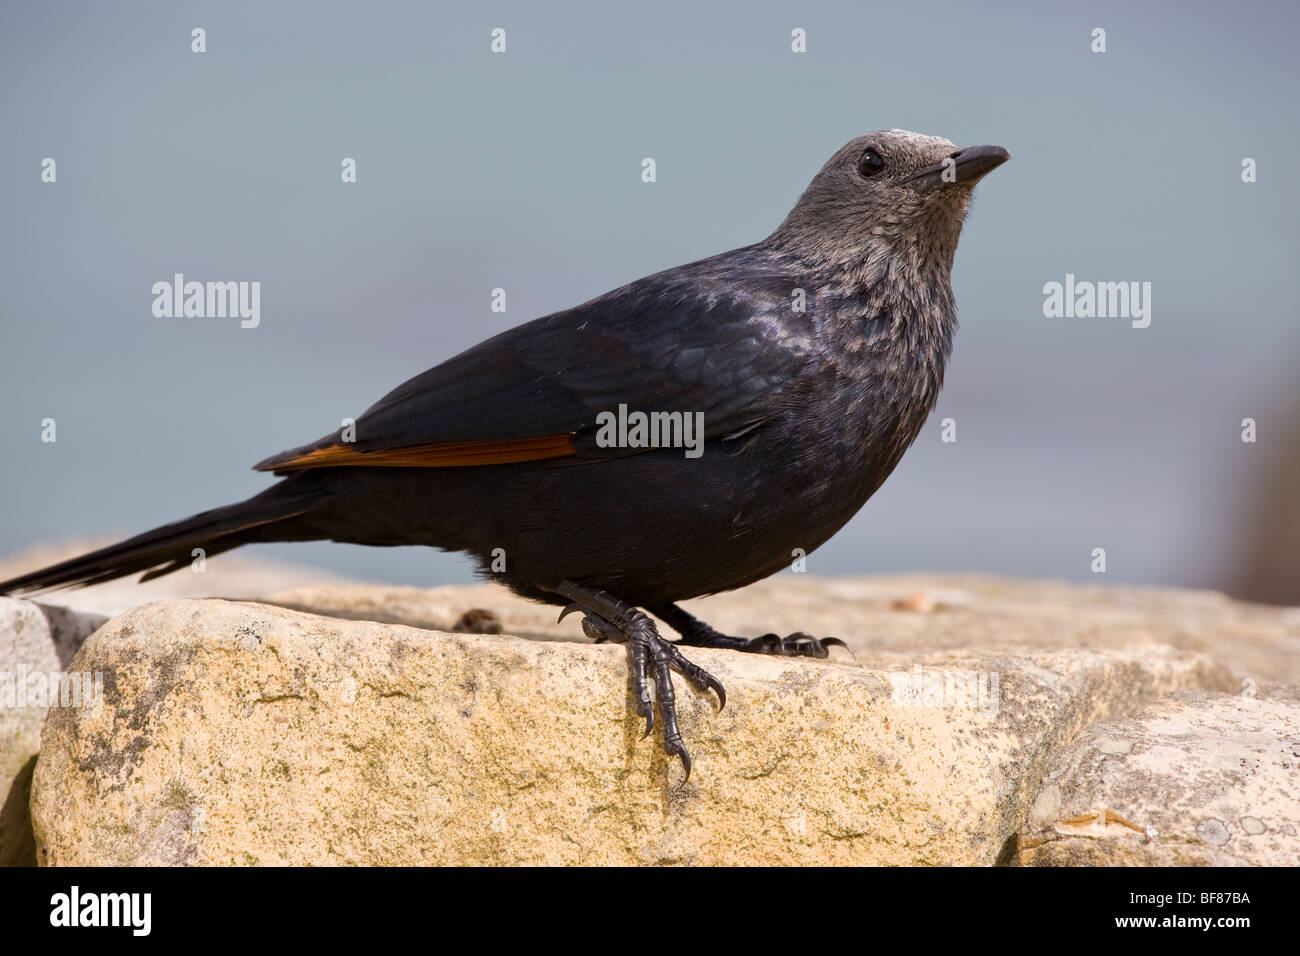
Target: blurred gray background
522	170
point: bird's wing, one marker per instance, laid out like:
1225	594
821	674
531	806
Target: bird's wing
718	337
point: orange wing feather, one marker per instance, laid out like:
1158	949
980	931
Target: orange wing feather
446	455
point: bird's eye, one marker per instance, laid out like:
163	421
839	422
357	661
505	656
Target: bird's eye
870	163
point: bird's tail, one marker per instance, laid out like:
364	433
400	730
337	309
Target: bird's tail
274	515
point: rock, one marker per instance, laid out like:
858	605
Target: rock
966	611
239	733
36	642
1192	780
440	608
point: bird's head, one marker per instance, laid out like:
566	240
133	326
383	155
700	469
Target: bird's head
886	193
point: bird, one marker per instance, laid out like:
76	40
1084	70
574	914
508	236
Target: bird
682	435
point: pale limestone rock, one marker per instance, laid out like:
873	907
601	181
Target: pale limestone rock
42	638
239	733
1204	779
36	643
242	733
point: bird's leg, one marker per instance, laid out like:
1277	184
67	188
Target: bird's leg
648	654
695	633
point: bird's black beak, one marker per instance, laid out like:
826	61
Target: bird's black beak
965	166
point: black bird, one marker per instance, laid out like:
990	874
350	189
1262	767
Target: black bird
814	357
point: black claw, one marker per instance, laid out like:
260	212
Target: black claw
700	679
718	689
646	708
674	747
836	642
568	609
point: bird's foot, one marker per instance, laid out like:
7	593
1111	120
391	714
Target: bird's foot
649	657
797	644
695	633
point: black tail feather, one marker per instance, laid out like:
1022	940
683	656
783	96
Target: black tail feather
170	547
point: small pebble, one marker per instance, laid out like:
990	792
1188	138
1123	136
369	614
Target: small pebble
478	621
920	602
